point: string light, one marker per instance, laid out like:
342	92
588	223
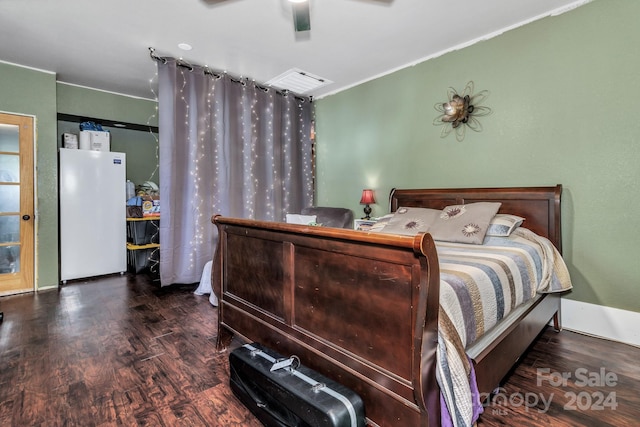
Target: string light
271	133
153	117
153	260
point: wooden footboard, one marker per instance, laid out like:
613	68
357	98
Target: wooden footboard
360	308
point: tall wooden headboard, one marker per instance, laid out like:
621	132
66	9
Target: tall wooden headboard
540	206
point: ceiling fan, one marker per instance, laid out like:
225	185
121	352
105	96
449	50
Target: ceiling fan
301	18
300	8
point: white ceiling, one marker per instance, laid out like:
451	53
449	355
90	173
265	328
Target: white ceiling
105	45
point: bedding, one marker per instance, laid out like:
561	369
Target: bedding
483	277
479	286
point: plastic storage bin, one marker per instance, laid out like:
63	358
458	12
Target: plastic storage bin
143	231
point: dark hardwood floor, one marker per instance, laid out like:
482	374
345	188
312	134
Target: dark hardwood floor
120	351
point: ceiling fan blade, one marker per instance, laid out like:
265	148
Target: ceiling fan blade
301	18
215	2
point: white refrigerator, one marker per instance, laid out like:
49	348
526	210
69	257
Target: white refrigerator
93	234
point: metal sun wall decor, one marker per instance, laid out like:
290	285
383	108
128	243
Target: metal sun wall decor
461	111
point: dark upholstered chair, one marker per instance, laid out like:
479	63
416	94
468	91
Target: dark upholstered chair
331	217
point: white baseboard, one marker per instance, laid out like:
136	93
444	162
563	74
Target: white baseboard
601	321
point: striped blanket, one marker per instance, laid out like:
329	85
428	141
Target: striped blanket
479	286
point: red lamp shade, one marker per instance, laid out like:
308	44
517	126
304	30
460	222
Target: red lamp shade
367	197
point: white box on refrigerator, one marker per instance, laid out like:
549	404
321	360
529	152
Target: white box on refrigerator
69	140
95	140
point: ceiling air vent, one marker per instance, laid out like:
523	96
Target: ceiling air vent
298	81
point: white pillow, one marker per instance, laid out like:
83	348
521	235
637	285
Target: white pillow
502	225
301	219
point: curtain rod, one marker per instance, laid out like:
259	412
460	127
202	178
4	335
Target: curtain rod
207	70
180	63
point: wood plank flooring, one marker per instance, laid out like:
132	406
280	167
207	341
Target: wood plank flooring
568	379
120	351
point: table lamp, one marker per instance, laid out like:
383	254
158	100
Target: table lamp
367	199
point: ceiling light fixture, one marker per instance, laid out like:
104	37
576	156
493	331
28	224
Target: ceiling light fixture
185	46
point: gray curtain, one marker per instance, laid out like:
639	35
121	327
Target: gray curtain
230	147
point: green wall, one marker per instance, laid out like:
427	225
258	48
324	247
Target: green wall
563	93
82	101
36	93
31	92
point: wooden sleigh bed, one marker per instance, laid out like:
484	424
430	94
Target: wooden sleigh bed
362	308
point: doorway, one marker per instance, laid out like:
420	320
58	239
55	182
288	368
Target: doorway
16	204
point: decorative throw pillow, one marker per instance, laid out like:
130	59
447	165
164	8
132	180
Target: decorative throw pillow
301	219
503	224
381	222
411	221
464	223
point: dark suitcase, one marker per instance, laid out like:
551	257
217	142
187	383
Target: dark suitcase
282	393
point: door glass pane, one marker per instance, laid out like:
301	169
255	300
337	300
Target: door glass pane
9	259
9	140
9	168
9	198
10	229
